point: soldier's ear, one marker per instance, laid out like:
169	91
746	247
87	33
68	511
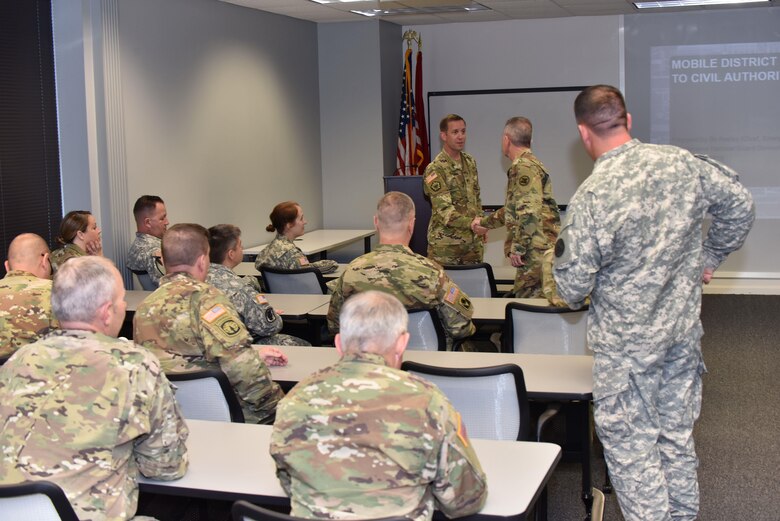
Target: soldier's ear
337	343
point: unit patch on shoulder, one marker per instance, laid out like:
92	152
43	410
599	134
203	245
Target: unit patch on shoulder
524	180
560	247
270	315
464	301
214	313
230	327
430	177
452	294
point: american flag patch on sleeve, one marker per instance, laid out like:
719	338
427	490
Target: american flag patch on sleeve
214	313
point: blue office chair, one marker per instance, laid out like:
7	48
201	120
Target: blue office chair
307	281
206	395
38	500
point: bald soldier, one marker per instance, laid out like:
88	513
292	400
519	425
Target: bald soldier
363	439
418	282
85	410
190	325
25	293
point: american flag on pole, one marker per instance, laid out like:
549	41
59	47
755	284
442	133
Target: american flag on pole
405	157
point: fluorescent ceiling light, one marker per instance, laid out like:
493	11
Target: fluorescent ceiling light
472	7
691	3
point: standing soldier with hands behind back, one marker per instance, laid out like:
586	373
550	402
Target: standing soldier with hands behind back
452	184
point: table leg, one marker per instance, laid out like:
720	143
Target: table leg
581	412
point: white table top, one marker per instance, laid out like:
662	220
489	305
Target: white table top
504	274
287	305
231	461
317	241
558	377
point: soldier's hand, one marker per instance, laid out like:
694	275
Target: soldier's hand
94	247
516	260
707	275
478	228
272	356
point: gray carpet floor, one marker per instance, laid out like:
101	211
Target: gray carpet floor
738	430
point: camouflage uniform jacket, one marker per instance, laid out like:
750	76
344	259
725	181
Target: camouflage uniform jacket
418	282
362	440
632	240
25	310
89	412
143	256
191	325
256	313
283	254
530	212
60	255
454	193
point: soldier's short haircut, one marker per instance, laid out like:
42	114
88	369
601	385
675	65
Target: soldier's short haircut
81	286
445	121
601	108
183	243
371	321
394	210
222	237
144	205
25	250
73	222
282	215
519	130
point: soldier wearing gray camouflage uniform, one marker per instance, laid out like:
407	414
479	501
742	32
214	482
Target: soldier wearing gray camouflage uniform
632	240
530	213
85	410
288	221
363	439
416	281
189	325
25	294
452	184
226	252
151	220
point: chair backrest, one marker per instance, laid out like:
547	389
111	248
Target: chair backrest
4	359
425	331
491	400
307	281
206	395
476	280
146	281
245	511
39	500
544	330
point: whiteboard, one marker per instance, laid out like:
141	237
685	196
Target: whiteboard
556	141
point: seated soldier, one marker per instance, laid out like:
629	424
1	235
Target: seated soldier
85	410
226	252
189	324
151	221
418	282
25	293
363	439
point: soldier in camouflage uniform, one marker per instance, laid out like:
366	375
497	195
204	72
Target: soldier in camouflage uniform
25	294
288	221
79	236
363	439
192	325
151	220
85	410
632	240
416	281
226	252
530	213
452	185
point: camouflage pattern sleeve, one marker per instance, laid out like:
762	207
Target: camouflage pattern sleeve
60	255
494	220
524	208
25	310
436	187
226	339
163	453
336	301
460	486
549	289
454	309
731	208
578	254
